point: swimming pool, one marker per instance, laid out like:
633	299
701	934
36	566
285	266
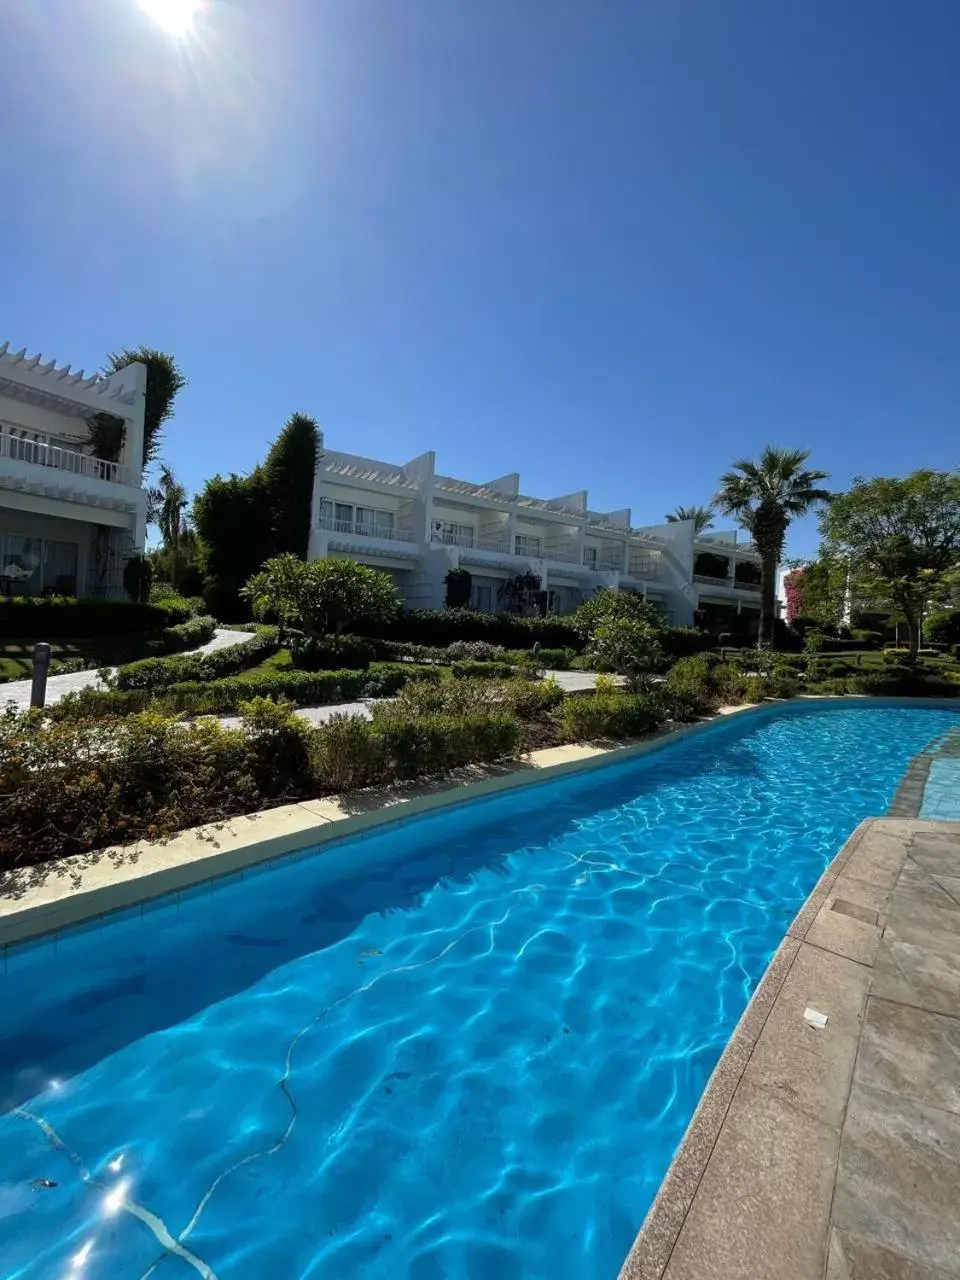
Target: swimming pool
464	1047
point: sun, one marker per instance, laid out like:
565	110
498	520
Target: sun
177	17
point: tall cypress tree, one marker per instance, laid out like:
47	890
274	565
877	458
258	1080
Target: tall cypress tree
288	478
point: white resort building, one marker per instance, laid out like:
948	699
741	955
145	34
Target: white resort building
69	520
418	525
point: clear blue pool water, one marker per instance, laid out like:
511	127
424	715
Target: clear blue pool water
466	1047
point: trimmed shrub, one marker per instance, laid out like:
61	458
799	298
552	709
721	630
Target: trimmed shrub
410	746
224	696
160	673
331	653
474	650
482	670
442	627
188	635
63	617
895	682
689	689
606	715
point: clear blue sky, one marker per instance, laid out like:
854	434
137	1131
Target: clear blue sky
611	245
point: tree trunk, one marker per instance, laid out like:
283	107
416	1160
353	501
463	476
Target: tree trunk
768	593
913	642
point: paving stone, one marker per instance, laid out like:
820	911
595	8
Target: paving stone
937	853
808	1068
763	1205
898	1181
854	1259
918	967
911	1052
918	884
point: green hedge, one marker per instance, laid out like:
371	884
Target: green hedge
441	627
68	787
225	696
483	670
188	635
332	653
611	715
160	673
63	617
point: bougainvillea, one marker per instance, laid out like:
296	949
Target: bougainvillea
793	590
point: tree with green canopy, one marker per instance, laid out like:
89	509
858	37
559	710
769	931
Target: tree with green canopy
764	497
322	597
702	517
901	541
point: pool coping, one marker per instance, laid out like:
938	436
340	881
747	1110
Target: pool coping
865	869
49	897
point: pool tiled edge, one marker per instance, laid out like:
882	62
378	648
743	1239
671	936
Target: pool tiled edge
768	1178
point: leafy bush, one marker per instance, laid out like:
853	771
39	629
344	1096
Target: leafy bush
410	746
160	673
458	583
690	688
943	627
869	639
442	627
610	605
331	653
188	635
137	577
322	596
475	650
895	682
625	645
814	641
526	699
482	670
64	617
606	715
71	786
224	696
681	642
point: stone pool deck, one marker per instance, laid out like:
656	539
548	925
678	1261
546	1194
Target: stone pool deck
834	1152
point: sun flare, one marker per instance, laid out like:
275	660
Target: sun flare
176	17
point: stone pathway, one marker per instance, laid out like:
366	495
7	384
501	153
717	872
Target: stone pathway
18	691
832	1152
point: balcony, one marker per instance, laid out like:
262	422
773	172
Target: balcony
525	545
499	545
709	581
644	567
562	555
746	586
40	452
362	529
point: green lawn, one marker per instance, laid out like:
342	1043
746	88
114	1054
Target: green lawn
16	657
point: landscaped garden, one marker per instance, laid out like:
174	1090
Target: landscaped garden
142	754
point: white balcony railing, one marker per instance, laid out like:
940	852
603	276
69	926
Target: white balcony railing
41	453
562	555
457	540
363	529
746	586
646	567
501	545
525	545
710	581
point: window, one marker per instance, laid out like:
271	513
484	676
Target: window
60	567
20	565
590	557
481	598
35	566
343	517
527	545
456	535
373	521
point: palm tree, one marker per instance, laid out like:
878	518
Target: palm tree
167	503
702	517
765	496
